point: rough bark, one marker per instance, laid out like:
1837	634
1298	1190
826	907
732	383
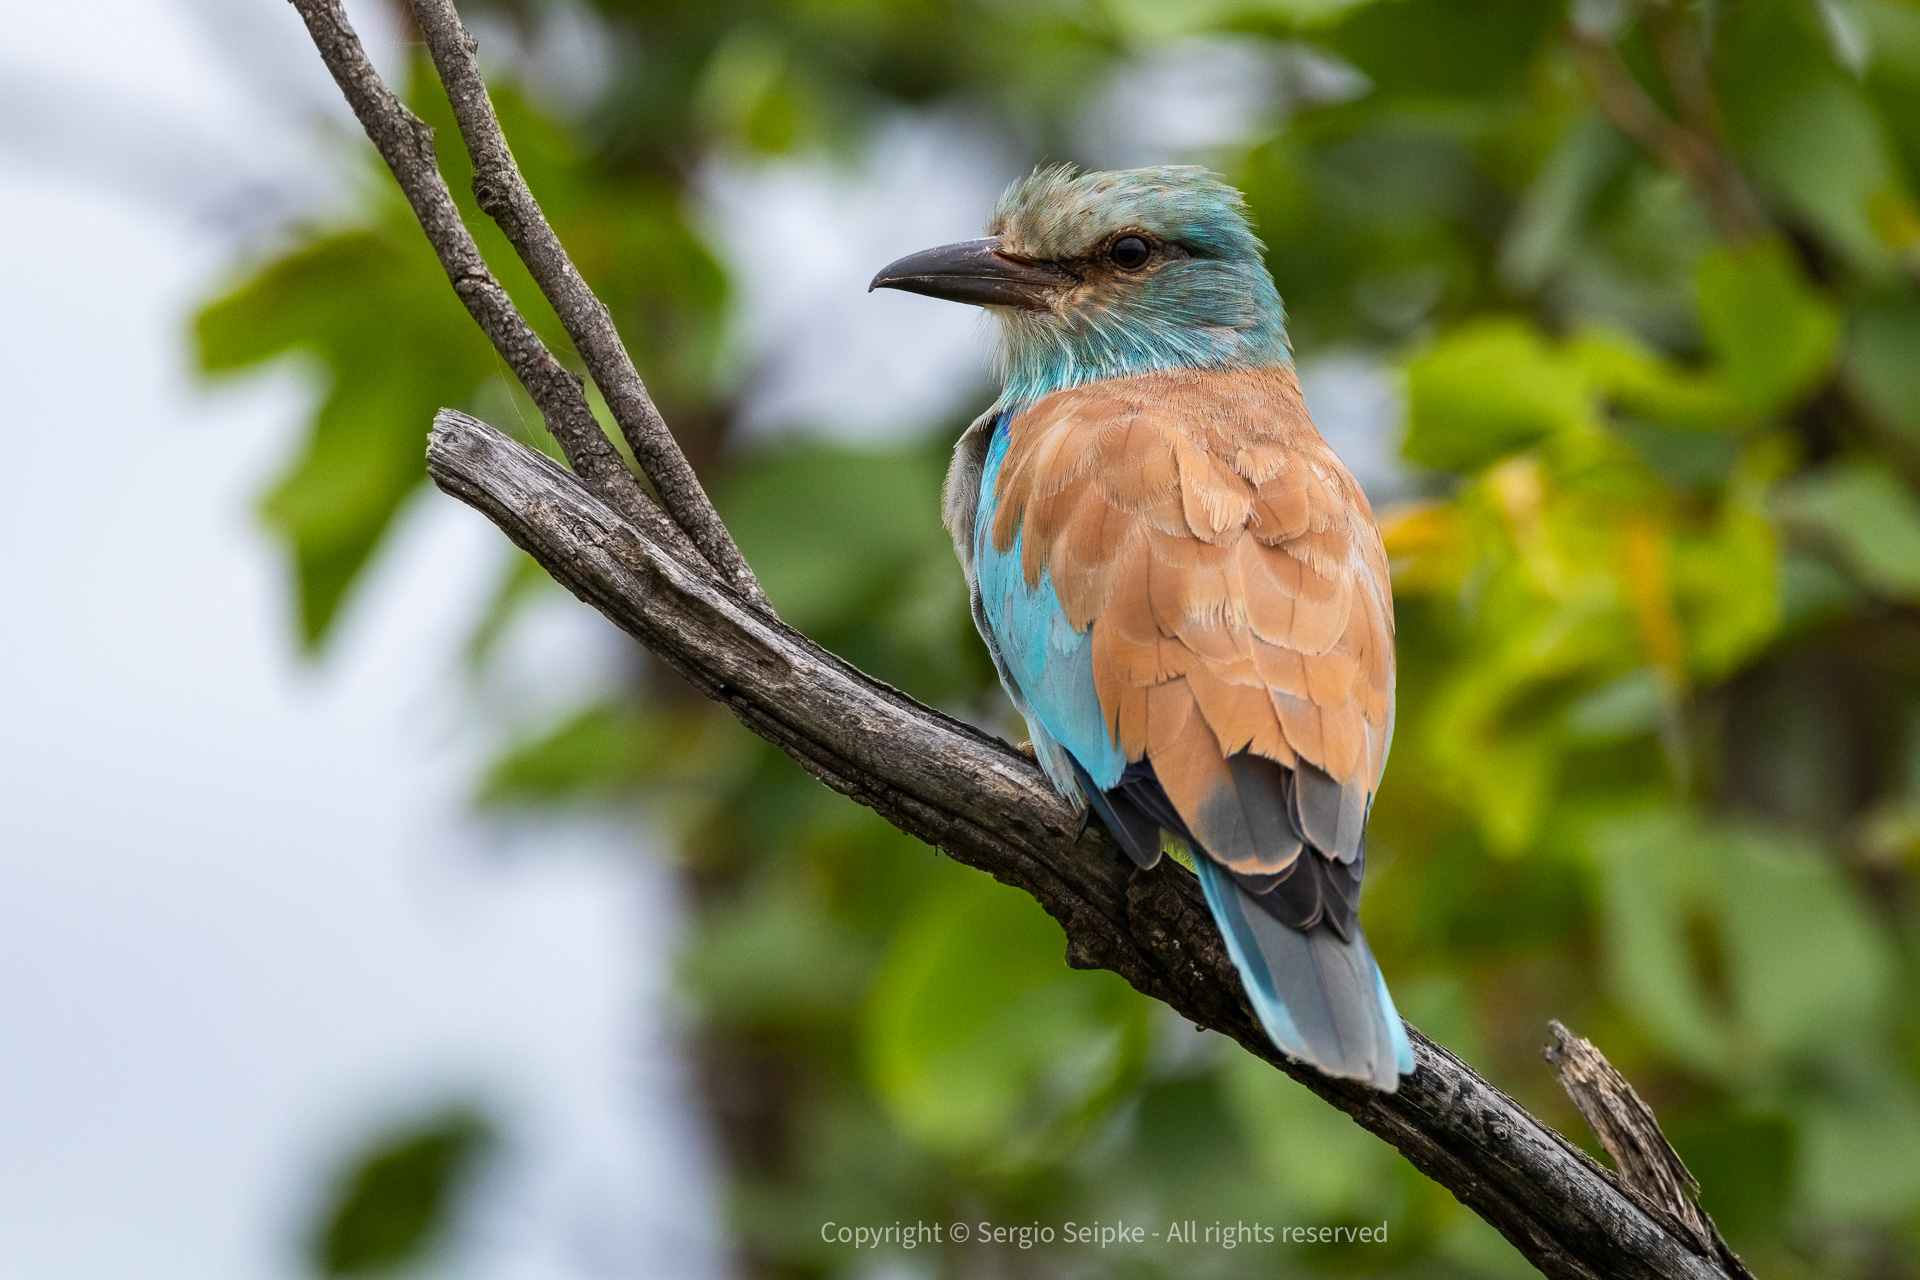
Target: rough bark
987	806
664	577
1645	1162
405	142
504	196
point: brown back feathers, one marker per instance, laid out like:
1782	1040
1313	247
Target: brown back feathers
1234	581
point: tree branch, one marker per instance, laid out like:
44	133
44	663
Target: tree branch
1685	62
1694	155
503	194
988	807
1649	1168
406	144
929	775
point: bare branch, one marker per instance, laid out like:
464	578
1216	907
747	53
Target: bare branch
931	776
1649	1168
503	194
406	144
986	806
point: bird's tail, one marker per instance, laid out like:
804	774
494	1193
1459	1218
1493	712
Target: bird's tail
1321	999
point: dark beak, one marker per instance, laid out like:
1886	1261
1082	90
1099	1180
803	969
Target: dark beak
973	271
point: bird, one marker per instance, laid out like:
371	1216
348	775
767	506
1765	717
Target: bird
1182	588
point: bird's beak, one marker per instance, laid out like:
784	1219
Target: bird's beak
973	271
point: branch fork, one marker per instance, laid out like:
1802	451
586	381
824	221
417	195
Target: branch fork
666	571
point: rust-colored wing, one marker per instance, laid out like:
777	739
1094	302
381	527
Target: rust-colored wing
1236	588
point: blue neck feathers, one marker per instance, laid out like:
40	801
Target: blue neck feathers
1196	314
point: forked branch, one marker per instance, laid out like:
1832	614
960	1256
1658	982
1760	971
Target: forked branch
503	194
406	143
664	577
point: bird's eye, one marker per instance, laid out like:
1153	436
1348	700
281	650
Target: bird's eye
1129	253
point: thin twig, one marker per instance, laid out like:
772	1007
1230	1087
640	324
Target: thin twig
986	806
405	142
1695	157
1685	62
503	193
1648	1166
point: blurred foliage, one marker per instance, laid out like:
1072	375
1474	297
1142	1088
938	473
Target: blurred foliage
395	1202
1658	770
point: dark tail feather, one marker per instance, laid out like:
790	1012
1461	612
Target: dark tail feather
1321	999
1137	833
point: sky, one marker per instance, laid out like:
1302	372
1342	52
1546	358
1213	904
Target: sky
246	918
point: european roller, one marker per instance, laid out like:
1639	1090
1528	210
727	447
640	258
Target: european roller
1183	589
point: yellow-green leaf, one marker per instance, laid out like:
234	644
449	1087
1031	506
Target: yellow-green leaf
1867	516
1486	390
1772	332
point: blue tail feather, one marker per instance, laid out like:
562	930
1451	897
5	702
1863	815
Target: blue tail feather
1396	1025
1320	999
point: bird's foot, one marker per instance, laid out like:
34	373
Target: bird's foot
1026	749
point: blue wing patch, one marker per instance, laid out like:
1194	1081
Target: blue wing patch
1317	993
1048	664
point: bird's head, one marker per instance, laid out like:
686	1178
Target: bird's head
1103	275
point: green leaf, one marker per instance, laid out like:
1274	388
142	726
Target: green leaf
1722	936
982	1043
1863	513
1814	593
521	581
1727	580
1655	877
1643	384
600	753
1744	1161
365	453
1772	332
616	751
393	1207
1893	73
1807	963
1857	1143
394	344
824	524
1883	358
1479	1250
1625	707
1444	48
1808	133
1148	21
1547	227
364	458
849	544
1487	389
